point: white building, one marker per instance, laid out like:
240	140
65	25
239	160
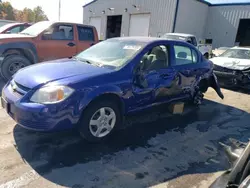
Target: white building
219	22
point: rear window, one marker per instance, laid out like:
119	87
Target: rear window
85	33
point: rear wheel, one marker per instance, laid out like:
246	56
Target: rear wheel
198	97
199	90
11	64
99	120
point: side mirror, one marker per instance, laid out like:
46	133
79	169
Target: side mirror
8	32
46	35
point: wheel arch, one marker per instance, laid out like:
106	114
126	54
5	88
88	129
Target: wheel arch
26	49
111	97
204	84
101	93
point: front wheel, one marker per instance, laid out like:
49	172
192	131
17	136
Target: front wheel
99	120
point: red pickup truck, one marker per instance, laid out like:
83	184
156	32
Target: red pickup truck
43	41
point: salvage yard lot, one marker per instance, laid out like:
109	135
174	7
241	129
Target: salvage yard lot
145	154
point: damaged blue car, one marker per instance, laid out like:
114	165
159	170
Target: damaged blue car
95	89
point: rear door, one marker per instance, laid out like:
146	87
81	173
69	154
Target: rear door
87	36
188	66
162	80
57	42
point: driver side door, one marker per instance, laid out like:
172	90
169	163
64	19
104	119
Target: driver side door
57	42
161	81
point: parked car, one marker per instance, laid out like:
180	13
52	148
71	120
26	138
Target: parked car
238	176
205	49
13	28
95	89
233	67
218	51
43	41
4	22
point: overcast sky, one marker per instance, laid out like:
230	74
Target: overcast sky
71	10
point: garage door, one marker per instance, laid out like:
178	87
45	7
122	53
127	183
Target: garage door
96	21
139	24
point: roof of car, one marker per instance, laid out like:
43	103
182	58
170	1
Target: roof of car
144	39
139	38
13	24
180	34
66	22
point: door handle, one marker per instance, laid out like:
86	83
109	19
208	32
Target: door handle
71	44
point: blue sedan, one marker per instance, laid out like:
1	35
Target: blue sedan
95	89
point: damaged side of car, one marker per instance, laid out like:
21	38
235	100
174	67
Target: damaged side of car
233	78
233	67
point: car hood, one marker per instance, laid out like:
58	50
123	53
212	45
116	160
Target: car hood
42	73
14	36
231	63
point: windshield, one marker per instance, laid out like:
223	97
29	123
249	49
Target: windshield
236	53
174	37
37	28
112	52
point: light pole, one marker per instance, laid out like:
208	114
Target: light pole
59	14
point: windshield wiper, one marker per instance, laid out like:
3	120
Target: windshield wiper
85	60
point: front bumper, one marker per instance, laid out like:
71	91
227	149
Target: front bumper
232	78
38	117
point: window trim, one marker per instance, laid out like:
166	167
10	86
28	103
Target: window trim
194	39
55	25
168	47
191	50
14	27
77	28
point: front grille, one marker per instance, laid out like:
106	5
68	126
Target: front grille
18	88
22	87
224	69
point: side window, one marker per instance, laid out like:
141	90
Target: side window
185	55
156	58
16	29
194	41
22	27
59	32
85	33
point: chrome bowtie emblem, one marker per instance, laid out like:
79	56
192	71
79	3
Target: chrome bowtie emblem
14	87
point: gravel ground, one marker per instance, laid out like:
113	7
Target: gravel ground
155	151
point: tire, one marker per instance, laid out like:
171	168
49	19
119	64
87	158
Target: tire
206	55
198	96
11	64
86	130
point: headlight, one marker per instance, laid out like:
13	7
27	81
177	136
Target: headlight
51	94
